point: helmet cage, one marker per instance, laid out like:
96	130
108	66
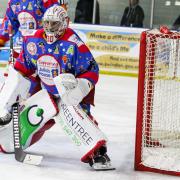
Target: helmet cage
55	22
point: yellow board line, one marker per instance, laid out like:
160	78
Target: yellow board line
119	73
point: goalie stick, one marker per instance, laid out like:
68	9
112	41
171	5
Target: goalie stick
20	155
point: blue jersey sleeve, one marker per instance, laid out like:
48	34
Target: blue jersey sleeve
85	64
23	63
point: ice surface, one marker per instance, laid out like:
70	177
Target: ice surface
115	111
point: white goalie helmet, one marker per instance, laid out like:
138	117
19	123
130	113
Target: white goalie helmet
55	22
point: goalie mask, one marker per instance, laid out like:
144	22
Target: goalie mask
55	22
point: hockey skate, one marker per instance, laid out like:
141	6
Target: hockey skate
101	161
5	118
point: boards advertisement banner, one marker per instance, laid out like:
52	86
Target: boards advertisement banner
116	49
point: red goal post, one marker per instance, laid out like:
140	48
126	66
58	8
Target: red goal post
157	147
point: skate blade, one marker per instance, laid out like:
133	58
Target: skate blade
103	167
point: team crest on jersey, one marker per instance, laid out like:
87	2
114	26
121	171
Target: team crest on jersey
32	48
48	68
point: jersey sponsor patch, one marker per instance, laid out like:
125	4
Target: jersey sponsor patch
48	68
27	23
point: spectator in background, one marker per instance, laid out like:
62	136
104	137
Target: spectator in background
84	12
176	24
133	15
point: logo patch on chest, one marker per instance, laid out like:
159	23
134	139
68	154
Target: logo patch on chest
32	48
27	23
48	68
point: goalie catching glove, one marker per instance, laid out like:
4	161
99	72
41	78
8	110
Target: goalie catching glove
72	90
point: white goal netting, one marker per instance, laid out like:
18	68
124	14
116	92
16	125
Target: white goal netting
161	111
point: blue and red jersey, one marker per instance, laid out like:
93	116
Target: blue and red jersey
22	17
68	54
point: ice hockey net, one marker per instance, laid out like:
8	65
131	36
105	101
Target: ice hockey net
157	146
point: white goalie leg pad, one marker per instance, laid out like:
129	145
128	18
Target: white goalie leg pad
81	130
37	110
15	85
34	113
6	138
